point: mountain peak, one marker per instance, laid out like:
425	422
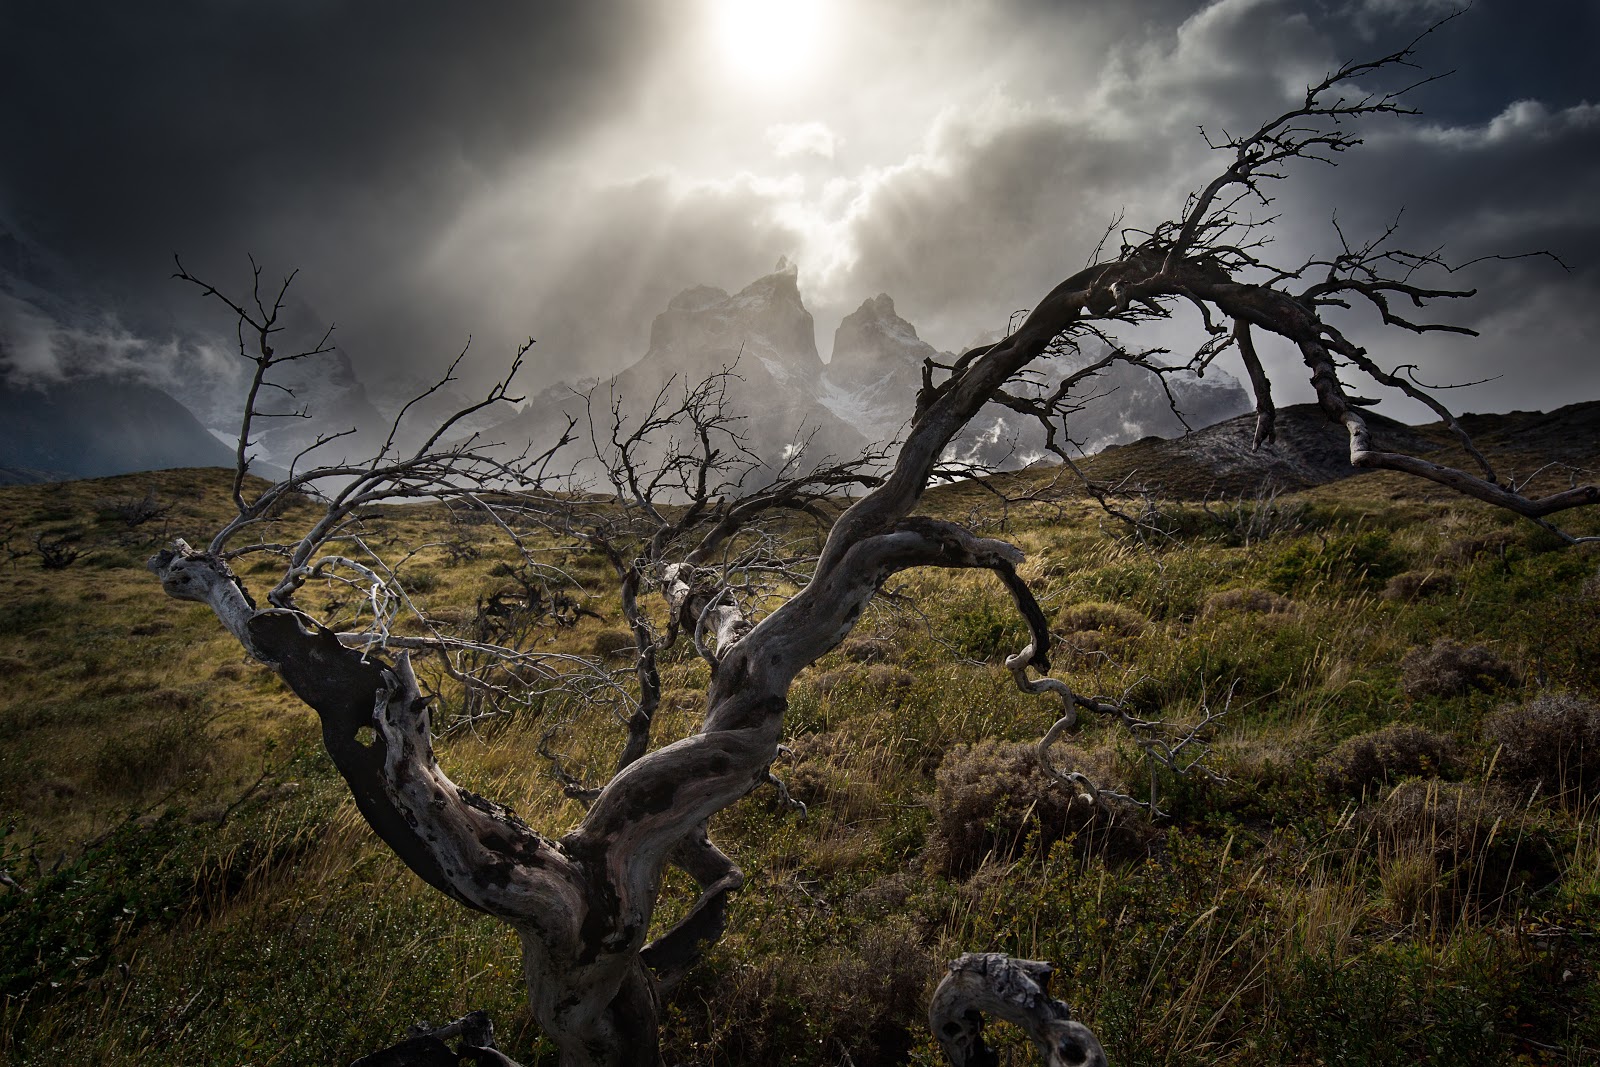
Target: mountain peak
705	329
874	333
697	298
781	288
881	306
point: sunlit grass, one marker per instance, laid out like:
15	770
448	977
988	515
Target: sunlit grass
1266	921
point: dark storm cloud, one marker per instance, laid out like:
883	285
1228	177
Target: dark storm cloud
330	136
562	169
964	235
1012	206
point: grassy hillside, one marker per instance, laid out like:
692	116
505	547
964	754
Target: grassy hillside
1402	864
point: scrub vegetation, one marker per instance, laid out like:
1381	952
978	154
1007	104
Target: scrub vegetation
1402	864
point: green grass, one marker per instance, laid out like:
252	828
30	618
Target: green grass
201	890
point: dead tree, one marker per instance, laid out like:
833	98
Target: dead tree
583	901
685	514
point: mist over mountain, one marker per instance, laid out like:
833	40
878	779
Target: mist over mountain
785	396
776	391
877	367
762	337
92	428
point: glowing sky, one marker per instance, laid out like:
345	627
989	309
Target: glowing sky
562	169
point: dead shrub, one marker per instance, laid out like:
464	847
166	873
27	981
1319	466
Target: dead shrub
1258	601
612	642
994	799
1449	850
1112	620
1448	668
1384	756
870	650
133	511
880	681
1418	585
758	1012
1552	742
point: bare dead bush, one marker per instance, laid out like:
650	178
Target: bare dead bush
612	642
880	681
134	511
870	650
1385	756
57	553
994	800
1111	620
1448	668
1449	850
1417	585
1259	601
1551	742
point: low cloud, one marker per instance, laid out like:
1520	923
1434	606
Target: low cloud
792	139
964	180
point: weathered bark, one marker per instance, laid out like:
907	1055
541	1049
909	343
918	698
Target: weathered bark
989	983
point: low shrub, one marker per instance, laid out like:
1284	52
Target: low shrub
1448	850
1551	742
870	650
880	681
154	754
988	632
1109	619
1356	561
1448	668
1467	549
994	799
820	769
759	1013
1259	601
1384	756
612	642
1418	585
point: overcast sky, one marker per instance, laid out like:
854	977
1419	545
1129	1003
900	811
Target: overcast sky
561	169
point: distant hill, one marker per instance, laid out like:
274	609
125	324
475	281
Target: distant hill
1310	450
92	428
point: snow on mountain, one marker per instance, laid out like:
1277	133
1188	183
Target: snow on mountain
876	370
872	379
865	395
762	335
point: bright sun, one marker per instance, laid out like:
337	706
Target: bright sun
770	41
